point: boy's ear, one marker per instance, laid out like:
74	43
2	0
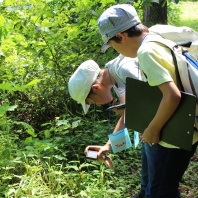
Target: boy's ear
122	36
119	35
96	87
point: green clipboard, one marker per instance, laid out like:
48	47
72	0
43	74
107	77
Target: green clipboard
142	101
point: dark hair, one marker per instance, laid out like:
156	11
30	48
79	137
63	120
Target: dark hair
133	31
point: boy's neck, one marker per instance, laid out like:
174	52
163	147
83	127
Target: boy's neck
108	78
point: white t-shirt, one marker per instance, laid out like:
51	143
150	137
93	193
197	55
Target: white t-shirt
122	67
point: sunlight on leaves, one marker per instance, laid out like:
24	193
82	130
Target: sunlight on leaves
75	124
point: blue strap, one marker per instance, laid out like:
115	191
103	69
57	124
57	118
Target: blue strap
191	60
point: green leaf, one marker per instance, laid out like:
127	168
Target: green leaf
59	157
5	107
28	140
29	128
12	108
6	86
47	133
1	53
75	124
23	87
9	2
33	82
85	165
73	167
5	154
62	122
2	20
31	132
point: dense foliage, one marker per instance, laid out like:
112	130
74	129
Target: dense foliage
43	132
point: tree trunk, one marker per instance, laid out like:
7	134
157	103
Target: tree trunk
155	14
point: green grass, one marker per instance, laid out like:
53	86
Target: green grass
188	14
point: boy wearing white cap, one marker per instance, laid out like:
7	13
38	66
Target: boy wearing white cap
91	85
121	29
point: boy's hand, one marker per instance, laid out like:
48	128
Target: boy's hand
119	111
92	147
150	136
102	154
102	150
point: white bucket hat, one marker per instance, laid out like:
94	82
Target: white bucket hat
81	81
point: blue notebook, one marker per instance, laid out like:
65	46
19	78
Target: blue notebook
142	102
120	140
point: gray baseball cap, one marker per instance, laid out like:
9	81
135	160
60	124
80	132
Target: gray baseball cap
117	19
81	81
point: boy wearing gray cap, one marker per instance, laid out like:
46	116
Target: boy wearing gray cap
121	29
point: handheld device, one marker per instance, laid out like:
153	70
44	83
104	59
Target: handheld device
119	106
91	154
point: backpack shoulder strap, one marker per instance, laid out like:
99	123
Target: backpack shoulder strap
157	38
172	46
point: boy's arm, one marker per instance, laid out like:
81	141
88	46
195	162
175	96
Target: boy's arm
107	147
169	103
119	126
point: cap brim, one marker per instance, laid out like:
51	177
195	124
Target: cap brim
105	47
85	107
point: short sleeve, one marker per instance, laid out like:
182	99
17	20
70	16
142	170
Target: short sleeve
156	63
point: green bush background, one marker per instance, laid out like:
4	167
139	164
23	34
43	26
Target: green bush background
43	132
